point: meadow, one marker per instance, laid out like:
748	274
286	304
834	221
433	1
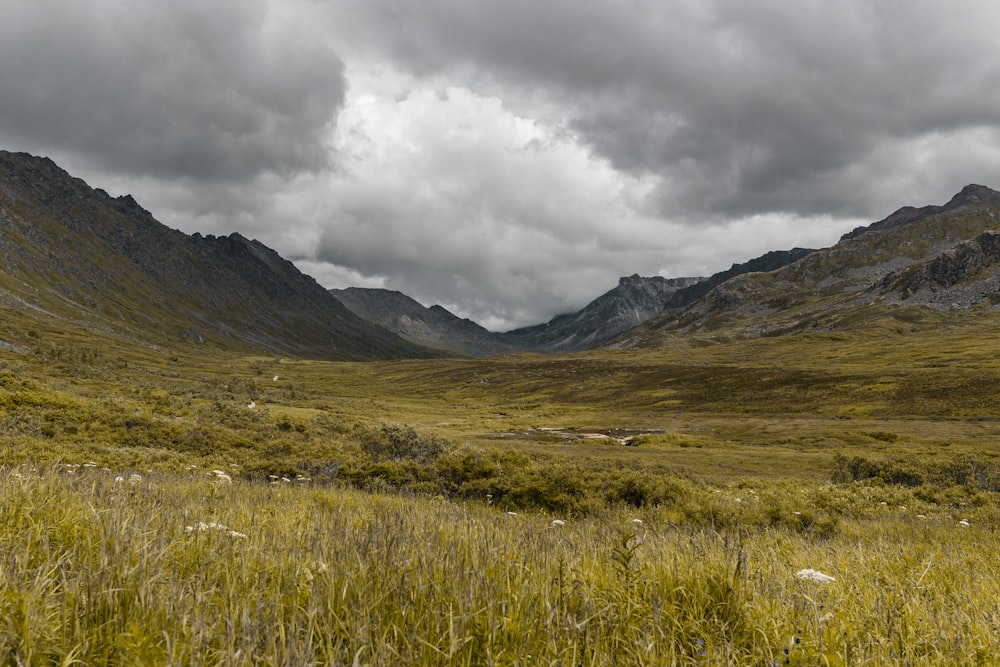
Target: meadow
826	498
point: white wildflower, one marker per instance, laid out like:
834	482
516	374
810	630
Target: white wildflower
201	527
814	575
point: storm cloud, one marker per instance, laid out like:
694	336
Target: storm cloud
510	160
221	90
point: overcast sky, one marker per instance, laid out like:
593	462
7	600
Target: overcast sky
510	159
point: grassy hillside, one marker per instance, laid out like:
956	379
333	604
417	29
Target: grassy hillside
74	258
403	512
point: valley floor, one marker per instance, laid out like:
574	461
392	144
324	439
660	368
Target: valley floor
171	507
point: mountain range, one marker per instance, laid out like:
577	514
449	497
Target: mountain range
632	302
76	259
915	265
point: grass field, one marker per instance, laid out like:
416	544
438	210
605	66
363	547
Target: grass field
403	512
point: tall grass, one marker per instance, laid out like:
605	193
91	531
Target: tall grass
185	570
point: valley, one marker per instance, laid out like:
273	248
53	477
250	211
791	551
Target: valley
451	511
799	466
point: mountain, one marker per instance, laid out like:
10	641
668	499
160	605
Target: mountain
634	301
73	257
915	264
434	327
769	261
961	277
970	196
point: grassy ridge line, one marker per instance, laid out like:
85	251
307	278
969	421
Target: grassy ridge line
173	569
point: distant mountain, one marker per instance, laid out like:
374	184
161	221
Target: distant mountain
914	263
74	257
434	327
634	301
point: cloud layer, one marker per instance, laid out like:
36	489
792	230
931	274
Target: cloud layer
510	160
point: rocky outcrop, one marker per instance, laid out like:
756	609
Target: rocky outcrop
961	276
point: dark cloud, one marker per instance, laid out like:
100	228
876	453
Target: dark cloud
510	160
741	108
221	90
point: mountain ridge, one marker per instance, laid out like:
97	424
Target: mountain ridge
848	284
634	300
74	254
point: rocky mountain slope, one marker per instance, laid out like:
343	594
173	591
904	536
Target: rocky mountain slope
434	327
933	258
633	301
75	257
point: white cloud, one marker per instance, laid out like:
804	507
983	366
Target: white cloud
453	198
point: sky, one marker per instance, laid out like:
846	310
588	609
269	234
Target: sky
510	159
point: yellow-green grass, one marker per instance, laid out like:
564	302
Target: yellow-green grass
183	569
773	406
855	453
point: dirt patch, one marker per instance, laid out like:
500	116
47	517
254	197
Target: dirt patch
621	436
